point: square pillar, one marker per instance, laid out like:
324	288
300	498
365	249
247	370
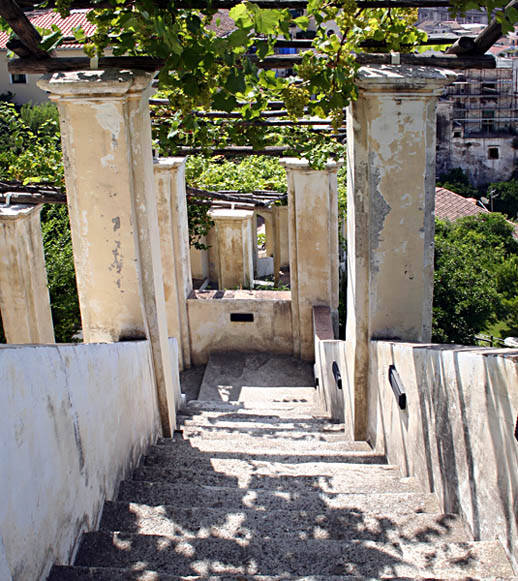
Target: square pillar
313	247
24	296
174	246
390	231
106	138
234	246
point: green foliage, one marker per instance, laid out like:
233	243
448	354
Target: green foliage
61	277
30	151
476	276
457	181
505	197
30	148
202	70
246	175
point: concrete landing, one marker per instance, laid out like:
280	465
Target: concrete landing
257	379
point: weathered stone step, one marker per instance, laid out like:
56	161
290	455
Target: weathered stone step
249	524
256	444
249	396
252	419
259	403
68	573
304	413
159	493
302	557
290	477
320	477
191	453
267	432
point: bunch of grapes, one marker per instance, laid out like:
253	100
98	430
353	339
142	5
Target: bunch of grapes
295	99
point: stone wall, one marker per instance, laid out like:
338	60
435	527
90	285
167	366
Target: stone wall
263	322
76	419
328	351
457	433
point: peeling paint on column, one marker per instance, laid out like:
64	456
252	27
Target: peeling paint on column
109	118
116	223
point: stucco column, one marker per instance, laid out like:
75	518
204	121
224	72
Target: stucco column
234	246
174	246
106	138
391	185
313	247
24	296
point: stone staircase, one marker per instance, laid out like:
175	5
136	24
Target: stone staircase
267	488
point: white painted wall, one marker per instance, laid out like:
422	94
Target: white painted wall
28	92
76	419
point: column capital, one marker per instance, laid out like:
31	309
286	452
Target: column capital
17	211
94	84
229	214
298	164
167	163
405	80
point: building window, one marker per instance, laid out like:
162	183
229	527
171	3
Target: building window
457	134
488	88
488	121
18	79
493	153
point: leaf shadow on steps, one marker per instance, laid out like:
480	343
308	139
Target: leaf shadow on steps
183	536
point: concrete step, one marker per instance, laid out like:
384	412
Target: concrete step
228	374
192	452
246	525
278	398
244	422
234	411
289	477
207	556
315	434
196	495
67	573
70	573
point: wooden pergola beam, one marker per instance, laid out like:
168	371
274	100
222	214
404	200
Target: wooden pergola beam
65	64
224	4
486	38
29	37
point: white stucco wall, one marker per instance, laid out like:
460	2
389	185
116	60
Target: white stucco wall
28	92
76	419
457	433
212	329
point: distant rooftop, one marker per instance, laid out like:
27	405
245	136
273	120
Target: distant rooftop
46	18
451	206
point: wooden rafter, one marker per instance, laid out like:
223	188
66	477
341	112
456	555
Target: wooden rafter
485	40
38	66
223	4
29	39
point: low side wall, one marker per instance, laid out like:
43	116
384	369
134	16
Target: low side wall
76	419
212	327
328	351
457	433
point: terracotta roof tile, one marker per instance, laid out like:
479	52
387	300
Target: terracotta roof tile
46	18
452	206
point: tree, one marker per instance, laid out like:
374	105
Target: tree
457	181
504	197
476	276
